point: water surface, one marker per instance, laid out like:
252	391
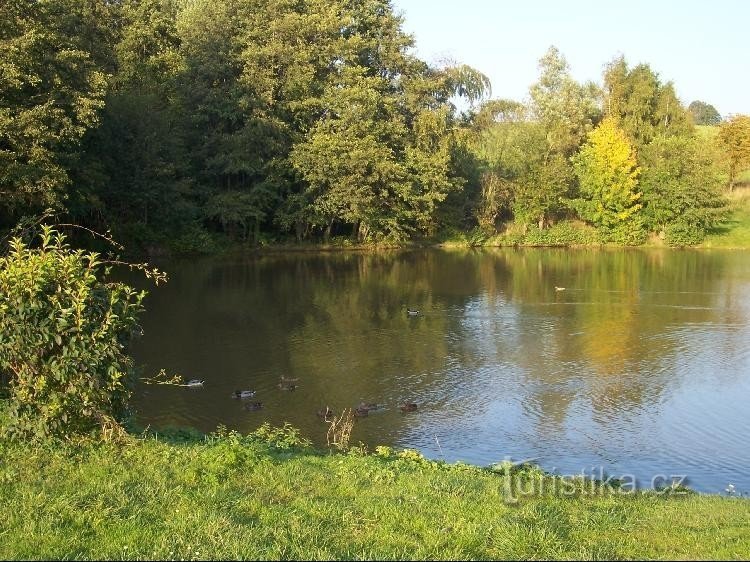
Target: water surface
640	366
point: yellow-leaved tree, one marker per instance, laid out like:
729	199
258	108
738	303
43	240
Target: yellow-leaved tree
607	174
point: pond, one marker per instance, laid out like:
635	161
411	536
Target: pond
634	362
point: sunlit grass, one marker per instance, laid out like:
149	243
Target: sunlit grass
735	231
243	498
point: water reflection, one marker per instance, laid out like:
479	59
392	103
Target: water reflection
641	363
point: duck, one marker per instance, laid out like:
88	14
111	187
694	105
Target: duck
287	386
412	312
288	379
559	288
408	407
243	394
361	412
326	415
194	382
254	406
369	406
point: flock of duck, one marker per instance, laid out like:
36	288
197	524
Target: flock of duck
290	384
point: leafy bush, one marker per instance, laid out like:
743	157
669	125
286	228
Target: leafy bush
626	233
565	233
683	234
63	332
193	239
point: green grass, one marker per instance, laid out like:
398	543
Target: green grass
735	231
236	498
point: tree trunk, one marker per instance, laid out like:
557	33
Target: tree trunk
327	231
299	230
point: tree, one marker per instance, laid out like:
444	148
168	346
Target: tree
51	93
681	189
704	113
607	173
566	109
349	159
643	106
734	134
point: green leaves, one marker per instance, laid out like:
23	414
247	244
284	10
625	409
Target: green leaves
50	95
682	189
63	333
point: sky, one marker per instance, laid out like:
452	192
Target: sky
702	46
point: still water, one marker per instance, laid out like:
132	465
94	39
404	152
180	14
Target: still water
640	366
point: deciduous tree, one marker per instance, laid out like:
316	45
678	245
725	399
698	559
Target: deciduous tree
607	172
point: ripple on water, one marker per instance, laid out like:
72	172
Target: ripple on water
639	380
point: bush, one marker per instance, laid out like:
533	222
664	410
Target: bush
63	332
626	233
193	239
565	233
683	234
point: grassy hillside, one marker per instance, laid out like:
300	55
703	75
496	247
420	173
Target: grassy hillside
266	497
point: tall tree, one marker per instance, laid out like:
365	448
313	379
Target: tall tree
51	92
133	172
566	109
704	113
734	134
644	107
608	176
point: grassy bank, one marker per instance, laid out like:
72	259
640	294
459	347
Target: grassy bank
268	497
735	231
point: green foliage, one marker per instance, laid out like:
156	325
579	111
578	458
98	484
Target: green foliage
63	332
51	92
735	136
566	109
681	189
704	113
734	230
607	173
284	438
193	238
564	233
683	234
643	106
180	123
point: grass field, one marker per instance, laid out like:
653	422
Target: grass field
267	498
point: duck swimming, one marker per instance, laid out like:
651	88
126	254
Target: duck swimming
254	406
369	406
243	394
559	288
408	407
412	312
287	386
194	382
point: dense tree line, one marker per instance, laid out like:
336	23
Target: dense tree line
178	122
623	157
